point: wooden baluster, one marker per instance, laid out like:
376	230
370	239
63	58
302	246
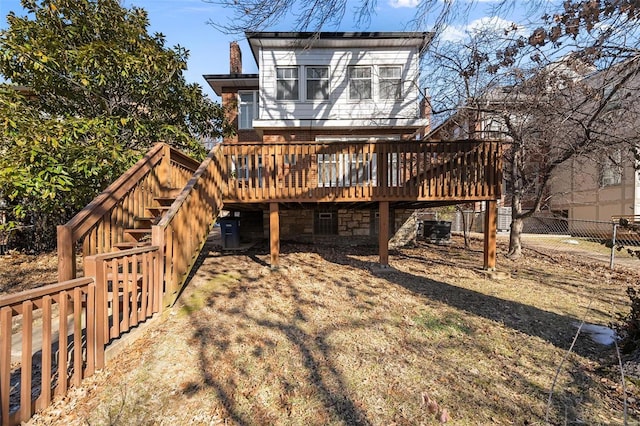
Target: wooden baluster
26	365
77	336
45	394
61	389
91	329
5	362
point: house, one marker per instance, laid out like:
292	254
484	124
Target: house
606	183
329	139
600	181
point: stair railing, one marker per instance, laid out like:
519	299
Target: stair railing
102	222
54	336
184	228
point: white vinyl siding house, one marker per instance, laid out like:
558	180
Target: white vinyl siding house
339	87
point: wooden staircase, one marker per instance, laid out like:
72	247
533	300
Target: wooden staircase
166	200
140	234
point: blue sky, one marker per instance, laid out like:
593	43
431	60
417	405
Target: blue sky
184	22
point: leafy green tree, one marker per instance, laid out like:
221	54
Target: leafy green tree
91	91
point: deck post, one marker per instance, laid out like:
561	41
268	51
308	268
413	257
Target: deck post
490	230
164	171
66	254
383	233
274	233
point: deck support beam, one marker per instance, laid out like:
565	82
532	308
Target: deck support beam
383	233
490	230
274	234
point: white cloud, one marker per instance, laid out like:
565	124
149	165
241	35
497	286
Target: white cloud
403	3
461	32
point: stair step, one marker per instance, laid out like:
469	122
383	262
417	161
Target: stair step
158	210
137	234
164	201
145	222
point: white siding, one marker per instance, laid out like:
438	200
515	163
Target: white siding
339	106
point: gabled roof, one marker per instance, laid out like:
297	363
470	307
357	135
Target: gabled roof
419	40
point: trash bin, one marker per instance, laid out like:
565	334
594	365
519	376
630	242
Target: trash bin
230	232
436	231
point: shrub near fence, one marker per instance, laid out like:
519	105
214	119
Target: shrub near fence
64	328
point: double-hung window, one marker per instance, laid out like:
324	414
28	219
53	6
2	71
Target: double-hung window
287	83
390	82
317	83
611	169
360	83
247	108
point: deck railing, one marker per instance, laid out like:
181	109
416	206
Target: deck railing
184	228
362	171
60	331
102	223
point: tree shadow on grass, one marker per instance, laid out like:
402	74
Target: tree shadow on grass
311	348
556	329
559	330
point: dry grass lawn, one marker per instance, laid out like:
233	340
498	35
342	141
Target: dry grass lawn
330	339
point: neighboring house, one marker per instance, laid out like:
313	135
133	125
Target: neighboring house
596	186
607	183
330	139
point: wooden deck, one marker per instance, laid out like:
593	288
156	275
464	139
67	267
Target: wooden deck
361	172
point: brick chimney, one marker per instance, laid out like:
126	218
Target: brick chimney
425	112
235	58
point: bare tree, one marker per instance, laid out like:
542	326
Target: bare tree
258	15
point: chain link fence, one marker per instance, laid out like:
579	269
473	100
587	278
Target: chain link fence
604	241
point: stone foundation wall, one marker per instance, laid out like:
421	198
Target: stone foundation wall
294	224
355	225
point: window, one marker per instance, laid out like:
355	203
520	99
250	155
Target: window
360	83
247	167
347	169
390	82
317	83
611	169
325	222
287	84
247	108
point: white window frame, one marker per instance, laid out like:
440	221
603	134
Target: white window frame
392	81
243	124
320	79
285	76
611	169
355	79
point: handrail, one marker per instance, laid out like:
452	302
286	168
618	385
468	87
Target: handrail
183	229
75	320
81	223
13	299
102	222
